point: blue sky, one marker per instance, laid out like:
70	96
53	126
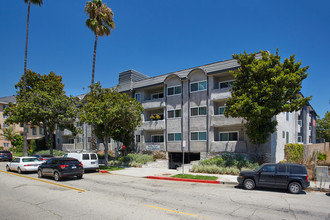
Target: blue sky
157	37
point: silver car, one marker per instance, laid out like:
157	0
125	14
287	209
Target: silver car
24	164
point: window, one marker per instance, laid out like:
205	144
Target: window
221	110
4	116
300	139
157	95
4	107
157	138
300	122
174	90
283	134
282	168
198	111
226	84
198	136
287	116
287	137
137	138
34	131
174	137
93	156
174	113
269	169
5	125
6	144
41	131
229	136
85	156
138	97
198	86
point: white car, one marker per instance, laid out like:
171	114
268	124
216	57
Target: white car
90	161
24	164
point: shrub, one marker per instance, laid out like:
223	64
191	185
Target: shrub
321	156
56	153
294	153
159	155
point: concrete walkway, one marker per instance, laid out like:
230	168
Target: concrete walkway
224	179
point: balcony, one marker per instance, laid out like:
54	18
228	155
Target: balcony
221	120
218	94
153	103
153	125
229	146
67	132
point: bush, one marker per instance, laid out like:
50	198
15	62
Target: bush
159	155
56	153
321	156
294	153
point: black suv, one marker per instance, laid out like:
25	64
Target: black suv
5	155
60	168
289	176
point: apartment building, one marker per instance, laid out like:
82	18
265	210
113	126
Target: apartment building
34	132
183	110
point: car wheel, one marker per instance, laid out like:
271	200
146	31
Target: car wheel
294	188
40	174
19	170
7	168
57	176
249	184
79	176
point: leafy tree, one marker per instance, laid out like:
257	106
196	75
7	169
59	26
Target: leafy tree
99	21
35	2
113	114
8	134
262	89
323	127
18	142
46	105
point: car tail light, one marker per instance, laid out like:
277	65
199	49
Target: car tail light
28	165
306	177
63	166
80	164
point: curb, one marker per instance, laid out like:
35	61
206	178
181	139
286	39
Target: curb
183	180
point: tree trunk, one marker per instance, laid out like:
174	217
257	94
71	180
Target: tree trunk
106	149
25	153
94	57
51	137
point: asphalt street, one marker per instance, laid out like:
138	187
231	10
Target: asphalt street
110	196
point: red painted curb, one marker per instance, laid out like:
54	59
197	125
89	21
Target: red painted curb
184	180
103	171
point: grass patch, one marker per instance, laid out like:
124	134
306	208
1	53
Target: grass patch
110	168
195	177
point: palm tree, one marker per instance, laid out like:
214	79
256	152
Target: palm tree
35	2
100	22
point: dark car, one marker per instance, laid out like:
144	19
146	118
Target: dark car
5	155
60	168
289	176
43	157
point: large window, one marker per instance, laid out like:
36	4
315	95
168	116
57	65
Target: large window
198	86
34	131
228	136
174	113
138	97
198	136
226	84
157	95
198	111
300	139
138	138
174	90
174	137
157	138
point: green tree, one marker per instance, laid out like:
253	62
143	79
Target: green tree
323	127
110	112
8	134
46	105
99	21
263	88
35	2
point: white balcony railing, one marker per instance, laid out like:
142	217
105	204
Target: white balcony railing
153	125
153	103
218	94
221	120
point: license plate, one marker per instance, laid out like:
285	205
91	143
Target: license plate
92	162
74	167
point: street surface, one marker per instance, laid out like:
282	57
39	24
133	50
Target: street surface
109	196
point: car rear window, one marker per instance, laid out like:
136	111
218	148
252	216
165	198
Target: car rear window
30	160
85	156
70	162
282	168
298	170
93	156
4	152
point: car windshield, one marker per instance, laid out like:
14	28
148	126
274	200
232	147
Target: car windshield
30	160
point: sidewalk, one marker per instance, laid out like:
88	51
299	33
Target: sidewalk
224	179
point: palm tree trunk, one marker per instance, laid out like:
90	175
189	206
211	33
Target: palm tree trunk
24	78
94	57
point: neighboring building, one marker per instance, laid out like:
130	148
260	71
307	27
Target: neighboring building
34	132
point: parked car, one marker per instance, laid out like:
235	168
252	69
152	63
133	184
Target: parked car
43	157
289	176
23	164
90	161
60	168
5	155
